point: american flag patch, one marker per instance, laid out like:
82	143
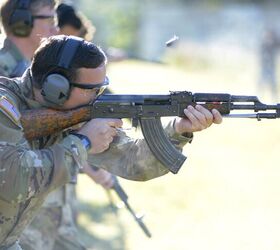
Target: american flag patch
7	107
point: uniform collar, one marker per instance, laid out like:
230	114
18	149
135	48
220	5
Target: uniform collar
10	46
27	90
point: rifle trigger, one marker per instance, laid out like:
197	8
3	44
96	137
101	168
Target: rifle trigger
135	122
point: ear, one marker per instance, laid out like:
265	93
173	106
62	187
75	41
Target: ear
55	89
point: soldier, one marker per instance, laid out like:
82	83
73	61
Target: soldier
72	22
269	47
55	225
66	73
24	24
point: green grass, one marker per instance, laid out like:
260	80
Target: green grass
226	196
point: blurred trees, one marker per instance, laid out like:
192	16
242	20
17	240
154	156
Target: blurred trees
116	21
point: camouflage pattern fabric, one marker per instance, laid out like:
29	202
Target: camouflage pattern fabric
130	165
12	62
57	232
28	175
14	246
54	227
132	159
33	169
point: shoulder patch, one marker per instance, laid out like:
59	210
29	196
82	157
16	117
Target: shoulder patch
7	107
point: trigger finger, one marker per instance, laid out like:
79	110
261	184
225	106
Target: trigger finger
116	123
112	132
194	121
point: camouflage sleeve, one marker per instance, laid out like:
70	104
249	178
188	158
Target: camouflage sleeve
132	159
3	72
25	172
7	62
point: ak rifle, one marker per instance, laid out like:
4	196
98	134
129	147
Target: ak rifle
147	110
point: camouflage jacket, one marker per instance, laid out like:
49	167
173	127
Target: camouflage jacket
12	62
27	174
29	171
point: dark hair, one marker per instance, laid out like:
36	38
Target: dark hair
9	6
68	16
46	58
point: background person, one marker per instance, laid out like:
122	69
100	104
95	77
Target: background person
73	22
268	52
24	24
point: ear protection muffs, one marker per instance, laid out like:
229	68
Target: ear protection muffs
21	20
56	87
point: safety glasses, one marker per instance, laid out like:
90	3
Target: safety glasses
98	88
43	17
49	18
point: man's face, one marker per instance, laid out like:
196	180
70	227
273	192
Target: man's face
43	27
86	76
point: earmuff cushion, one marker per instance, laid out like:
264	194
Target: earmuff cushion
56	89
21	21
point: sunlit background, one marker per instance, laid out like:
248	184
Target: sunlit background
226	196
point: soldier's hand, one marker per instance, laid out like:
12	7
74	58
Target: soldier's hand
100	132
197	118
100	176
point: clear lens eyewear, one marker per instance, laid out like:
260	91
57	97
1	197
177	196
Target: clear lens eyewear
98	88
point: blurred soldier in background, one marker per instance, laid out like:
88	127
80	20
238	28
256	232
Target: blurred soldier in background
24	24
72	22
268	54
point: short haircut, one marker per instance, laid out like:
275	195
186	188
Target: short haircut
68	16
46	58
9	6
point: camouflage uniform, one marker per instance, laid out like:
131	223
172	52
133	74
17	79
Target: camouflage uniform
12	62
54	228
56	214
28	174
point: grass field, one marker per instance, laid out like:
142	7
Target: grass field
226	196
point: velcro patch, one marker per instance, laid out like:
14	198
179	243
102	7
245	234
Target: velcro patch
7	107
